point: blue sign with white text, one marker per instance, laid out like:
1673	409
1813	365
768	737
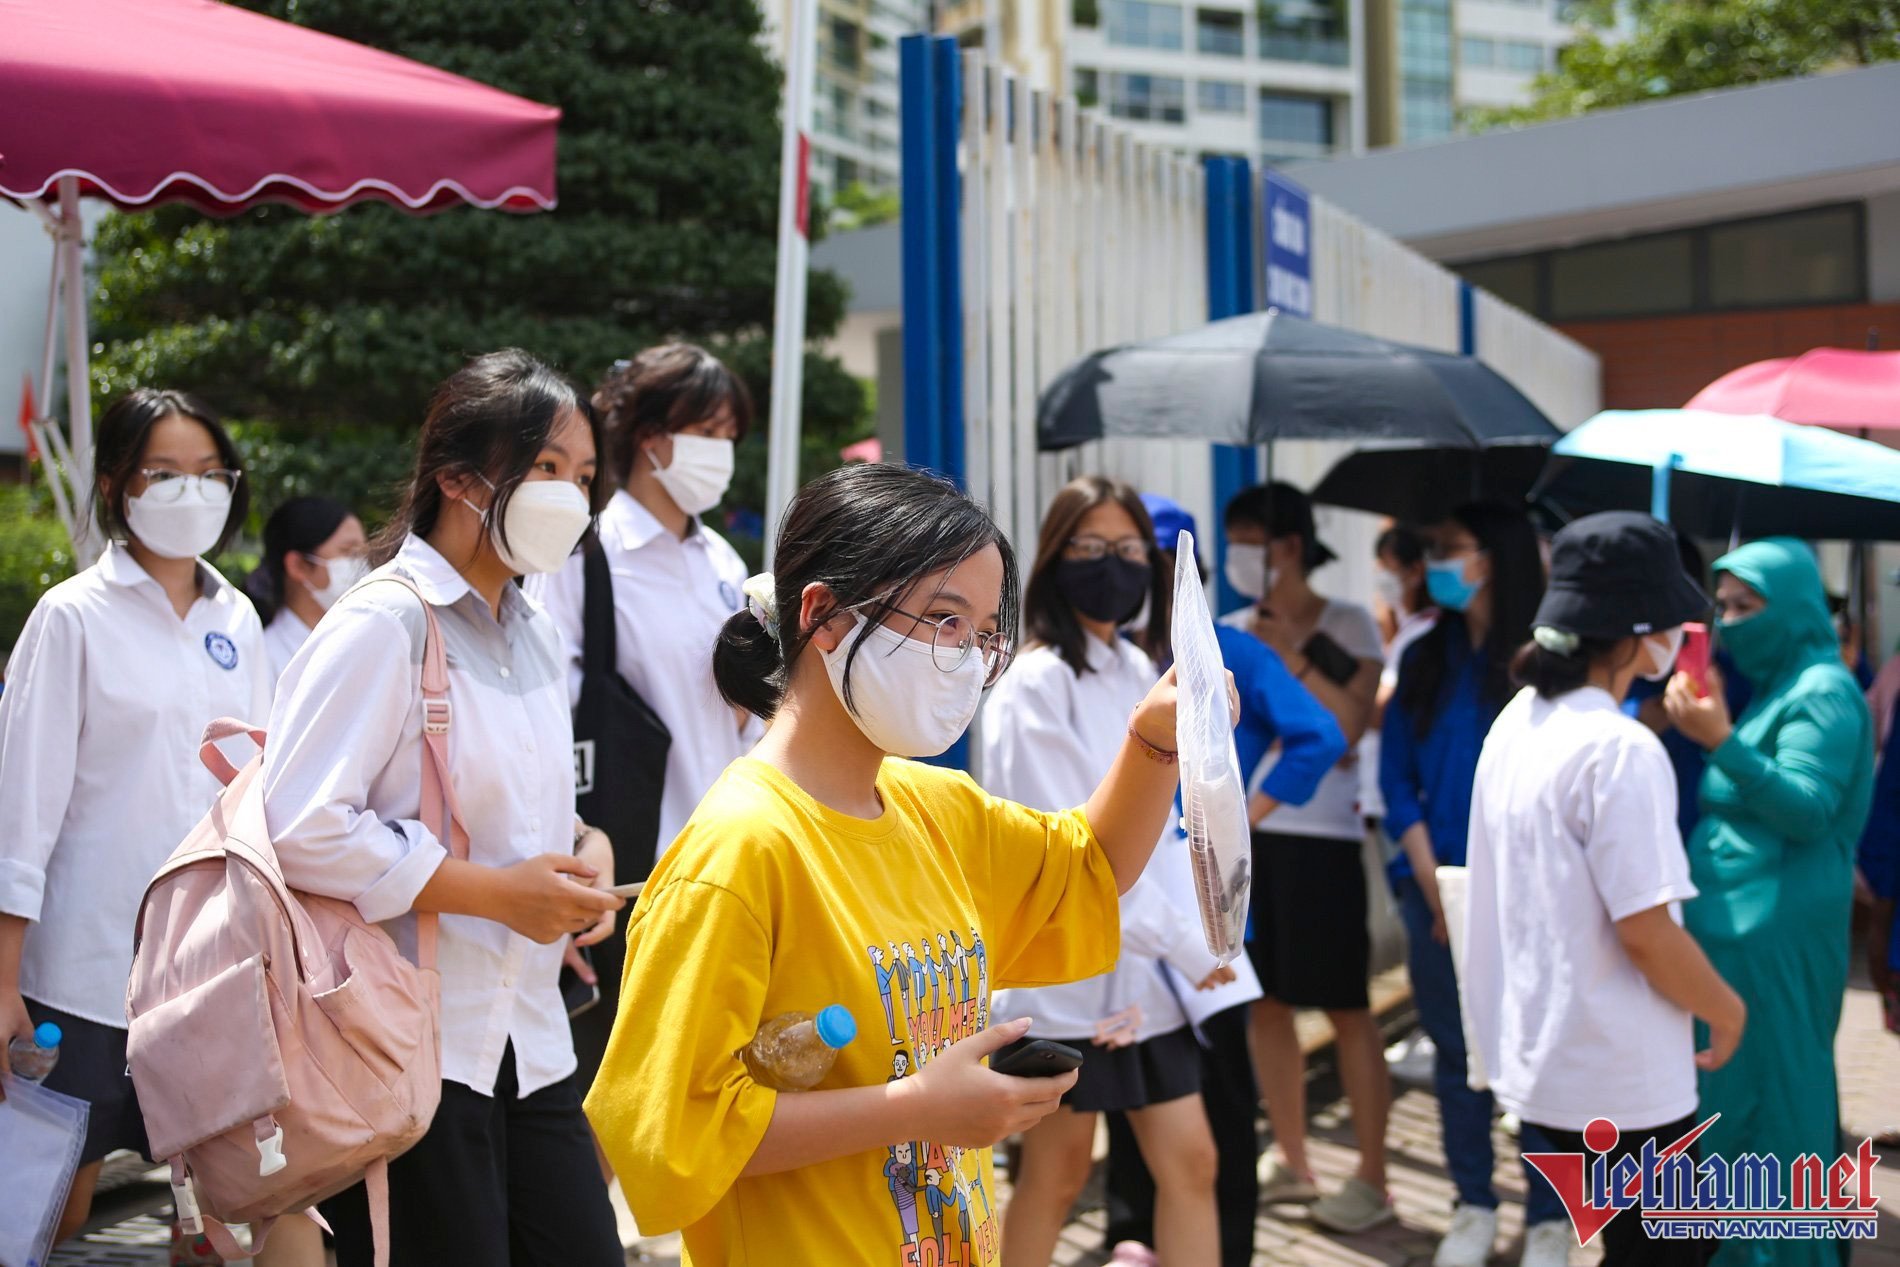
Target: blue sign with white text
1288	216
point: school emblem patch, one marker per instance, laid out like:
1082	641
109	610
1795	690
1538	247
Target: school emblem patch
221	649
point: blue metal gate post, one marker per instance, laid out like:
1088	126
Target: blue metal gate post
930	114
1229	294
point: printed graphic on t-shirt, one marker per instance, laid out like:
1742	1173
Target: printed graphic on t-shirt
936	991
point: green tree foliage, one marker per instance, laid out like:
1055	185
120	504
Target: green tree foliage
856	207
34	555
327	333
1677	46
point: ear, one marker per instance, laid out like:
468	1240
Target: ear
818	613
458	487
299	569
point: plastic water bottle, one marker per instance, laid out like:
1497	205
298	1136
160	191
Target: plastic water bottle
794	1052
33	1058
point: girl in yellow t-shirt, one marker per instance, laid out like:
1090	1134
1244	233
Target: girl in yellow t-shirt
818	871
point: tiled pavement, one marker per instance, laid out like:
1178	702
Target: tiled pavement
1870	1083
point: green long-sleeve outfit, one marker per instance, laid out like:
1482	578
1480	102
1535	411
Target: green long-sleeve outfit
1783	804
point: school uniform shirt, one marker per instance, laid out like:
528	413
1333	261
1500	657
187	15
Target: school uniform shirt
282	638
108	693
1048	736
1573	827
1332	812
770	902
671	597
343	792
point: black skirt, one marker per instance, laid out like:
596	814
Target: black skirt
1310	947
1165	1067
91	1067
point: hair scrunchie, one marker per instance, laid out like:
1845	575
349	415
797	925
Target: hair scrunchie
1556	641
761	594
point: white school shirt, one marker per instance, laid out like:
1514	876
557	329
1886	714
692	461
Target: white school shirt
1333	813
1573	827
282	638
108	693
671	597
343	792
1048	738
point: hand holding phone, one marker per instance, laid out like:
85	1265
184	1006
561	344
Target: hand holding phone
1693	659
1038	1058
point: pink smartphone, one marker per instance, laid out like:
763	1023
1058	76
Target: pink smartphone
1694	657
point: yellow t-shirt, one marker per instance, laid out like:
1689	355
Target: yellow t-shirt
769	902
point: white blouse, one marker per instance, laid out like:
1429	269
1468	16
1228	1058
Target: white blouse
1048	738
343	792
282	638
671	597
107	695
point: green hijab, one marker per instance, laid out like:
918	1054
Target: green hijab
1795	629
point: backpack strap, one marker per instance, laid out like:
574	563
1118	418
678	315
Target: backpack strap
225	728
441	812
599	654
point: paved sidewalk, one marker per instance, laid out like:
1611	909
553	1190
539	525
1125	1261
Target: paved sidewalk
1870	1102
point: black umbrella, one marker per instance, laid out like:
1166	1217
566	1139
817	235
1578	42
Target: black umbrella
1422	485
1269	376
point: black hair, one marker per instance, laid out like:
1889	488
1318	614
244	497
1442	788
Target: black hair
1408	549
1048	617
119	449
662	390
298	526
1257	506
490	418
867	532
1516	584
1551	673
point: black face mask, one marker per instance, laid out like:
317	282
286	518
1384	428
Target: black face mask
1108	588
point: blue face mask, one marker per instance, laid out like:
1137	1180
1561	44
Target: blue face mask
1445	582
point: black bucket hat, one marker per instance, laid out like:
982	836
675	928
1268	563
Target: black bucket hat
1615	575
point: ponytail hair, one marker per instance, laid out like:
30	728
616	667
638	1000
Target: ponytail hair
1554	663
866	532
298	526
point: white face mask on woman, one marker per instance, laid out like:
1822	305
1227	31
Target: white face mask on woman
699	473
1663	650
900	699
544	522
183	526
1247	571
344	571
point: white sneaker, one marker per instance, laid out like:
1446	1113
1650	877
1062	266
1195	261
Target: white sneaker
1547	1244
1474	1231
1413	1059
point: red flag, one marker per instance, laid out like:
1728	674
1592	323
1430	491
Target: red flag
27	415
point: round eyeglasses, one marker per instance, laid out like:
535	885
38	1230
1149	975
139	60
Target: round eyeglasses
1089	549
953	638
166	485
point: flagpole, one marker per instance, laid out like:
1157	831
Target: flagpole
794	253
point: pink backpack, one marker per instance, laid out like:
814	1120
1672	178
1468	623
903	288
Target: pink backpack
282	1046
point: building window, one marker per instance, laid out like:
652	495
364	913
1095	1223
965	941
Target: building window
1217	96
1810	257
1151	98
1512	280
1219	33
1477	52
1086	14
1303	31
1088	88
1624	279
1293	126
841	44
1520	56
1143	24
1425	110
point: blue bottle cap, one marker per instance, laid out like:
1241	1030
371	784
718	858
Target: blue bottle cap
47	1035
836	1026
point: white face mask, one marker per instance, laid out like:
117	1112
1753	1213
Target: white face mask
697	476
182	528
900	699
1247	571
544	519
1390	588
1663	650
344	571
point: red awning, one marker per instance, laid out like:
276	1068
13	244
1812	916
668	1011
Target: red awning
148	101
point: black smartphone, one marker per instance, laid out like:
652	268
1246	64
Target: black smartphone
1334	662
1038	1058
576	994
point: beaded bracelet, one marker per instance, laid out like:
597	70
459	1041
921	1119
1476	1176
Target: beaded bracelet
1162	756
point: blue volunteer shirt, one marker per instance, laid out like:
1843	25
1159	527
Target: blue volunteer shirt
1275	708
1427	778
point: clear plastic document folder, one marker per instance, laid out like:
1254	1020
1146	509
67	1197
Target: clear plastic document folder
1213	796
41	1134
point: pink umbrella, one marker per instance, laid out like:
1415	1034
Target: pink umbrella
140	102
1829	387
871	450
